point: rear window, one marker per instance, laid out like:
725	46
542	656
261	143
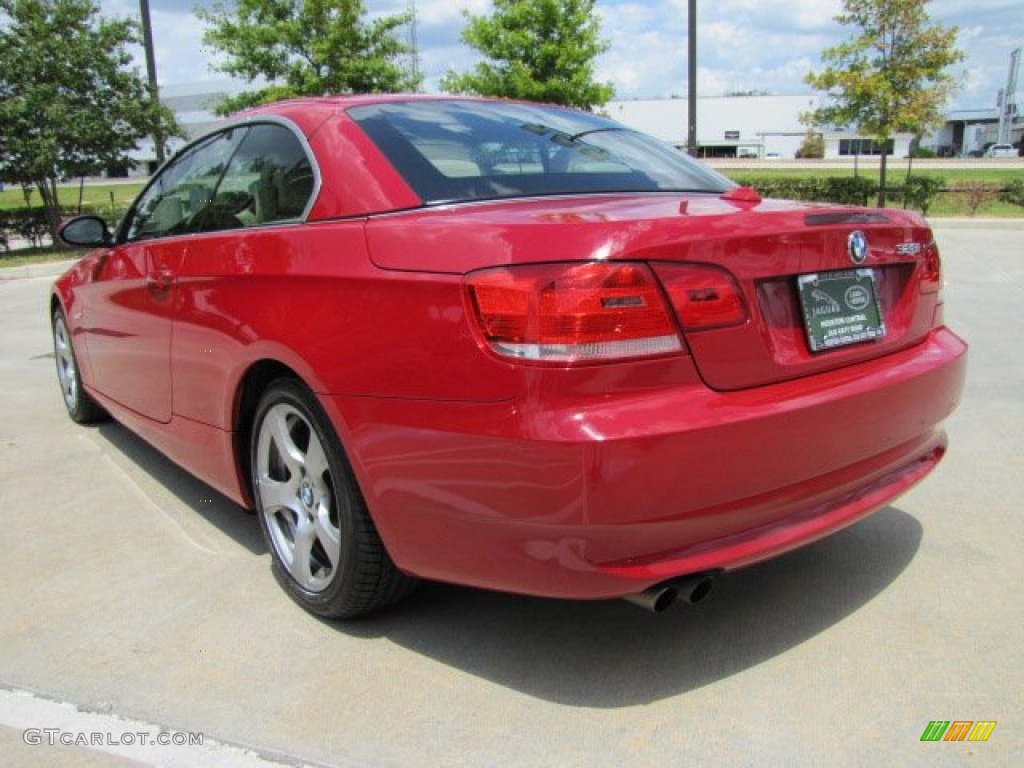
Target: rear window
467	150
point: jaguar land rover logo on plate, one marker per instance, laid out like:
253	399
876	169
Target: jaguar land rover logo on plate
858	247
857	297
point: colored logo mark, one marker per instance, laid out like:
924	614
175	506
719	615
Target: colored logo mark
958	730
857	245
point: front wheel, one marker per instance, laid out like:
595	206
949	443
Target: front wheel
81	407
326	552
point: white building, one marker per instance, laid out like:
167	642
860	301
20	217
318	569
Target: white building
970	131
728	126
743	126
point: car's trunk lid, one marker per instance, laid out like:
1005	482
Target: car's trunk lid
769	247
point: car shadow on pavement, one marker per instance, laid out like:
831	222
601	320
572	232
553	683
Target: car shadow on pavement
211	505
611	654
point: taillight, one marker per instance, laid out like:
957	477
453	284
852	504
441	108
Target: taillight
573	313
931	274
704	297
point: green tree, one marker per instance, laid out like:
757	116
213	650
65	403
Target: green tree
891	77
812	147
70	101
535	50
306	48
1013	192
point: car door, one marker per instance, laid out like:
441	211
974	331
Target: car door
130	304
244	239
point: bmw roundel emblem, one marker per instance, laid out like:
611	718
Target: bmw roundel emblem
858	247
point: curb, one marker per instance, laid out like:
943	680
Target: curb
969	223
46	269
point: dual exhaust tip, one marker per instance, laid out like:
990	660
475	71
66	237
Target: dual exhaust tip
685	589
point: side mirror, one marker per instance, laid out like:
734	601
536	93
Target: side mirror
86	232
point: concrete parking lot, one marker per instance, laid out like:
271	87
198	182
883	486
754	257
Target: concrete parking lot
131	590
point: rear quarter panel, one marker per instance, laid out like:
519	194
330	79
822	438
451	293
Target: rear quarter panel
308	297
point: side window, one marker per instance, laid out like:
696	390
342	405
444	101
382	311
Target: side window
180	199
269	179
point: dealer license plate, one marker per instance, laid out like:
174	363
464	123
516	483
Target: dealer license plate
840	308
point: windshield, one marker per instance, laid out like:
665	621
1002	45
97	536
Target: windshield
470	150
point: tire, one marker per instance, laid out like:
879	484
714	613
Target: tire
80	405
325	550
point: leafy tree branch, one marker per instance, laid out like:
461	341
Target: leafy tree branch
306	48
535	50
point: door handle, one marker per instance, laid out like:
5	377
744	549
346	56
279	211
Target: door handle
160	280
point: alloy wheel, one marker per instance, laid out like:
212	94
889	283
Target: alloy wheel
297	497
67	371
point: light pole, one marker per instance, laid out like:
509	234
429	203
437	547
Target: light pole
147	42
691	98
414	46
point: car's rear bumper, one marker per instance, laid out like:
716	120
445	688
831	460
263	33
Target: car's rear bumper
603	497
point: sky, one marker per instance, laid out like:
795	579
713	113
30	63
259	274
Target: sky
763	45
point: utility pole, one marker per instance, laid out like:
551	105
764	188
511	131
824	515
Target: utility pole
154	94
414	47
1008	100
691	99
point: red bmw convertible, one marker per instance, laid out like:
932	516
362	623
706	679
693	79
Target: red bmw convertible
509	346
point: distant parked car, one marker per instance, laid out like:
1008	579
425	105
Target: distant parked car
1001	150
